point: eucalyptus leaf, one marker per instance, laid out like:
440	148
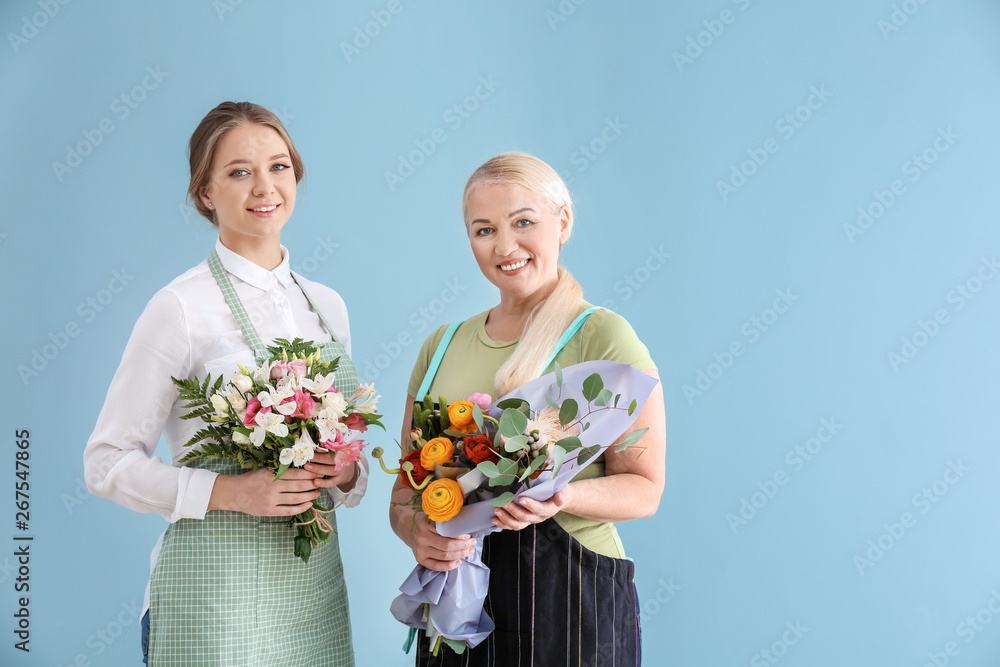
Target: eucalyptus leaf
603	397
515	403
488	468
551	402
535	465
592	386
503	499
512	423
631	438
568	411
558	456
587	453
632	406
515	444
507	467
569	443
559	377
477	416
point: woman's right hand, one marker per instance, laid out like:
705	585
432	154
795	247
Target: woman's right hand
433	550
258	494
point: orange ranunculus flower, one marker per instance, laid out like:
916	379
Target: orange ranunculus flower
418	473
437	450
460	416
442	499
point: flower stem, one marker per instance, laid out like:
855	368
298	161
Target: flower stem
377	453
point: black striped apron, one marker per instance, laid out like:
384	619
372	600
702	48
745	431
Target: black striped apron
554	601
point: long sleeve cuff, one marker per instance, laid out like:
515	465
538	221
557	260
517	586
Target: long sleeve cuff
193	502
353	497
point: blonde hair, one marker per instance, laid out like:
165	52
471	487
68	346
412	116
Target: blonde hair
551	317
208	134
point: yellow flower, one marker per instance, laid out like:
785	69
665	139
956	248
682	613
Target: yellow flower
442	499
436	451
460	416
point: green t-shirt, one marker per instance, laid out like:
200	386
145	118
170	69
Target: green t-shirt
471	363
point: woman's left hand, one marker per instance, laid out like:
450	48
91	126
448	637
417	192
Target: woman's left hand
520	514
327	476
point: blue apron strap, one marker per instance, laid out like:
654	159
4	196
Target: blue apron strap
436	360
569	333
409	640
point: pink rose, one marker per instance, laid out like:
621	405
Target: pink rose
482	400
298	367
279	370
355	422
253	407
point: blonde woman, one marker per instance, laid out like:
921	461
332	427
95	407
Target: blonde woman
225	588
560	580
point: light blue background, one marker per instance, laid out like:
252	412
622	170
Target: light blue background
714	591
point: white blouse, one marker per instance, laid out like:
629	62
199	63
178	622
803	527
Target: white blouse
187	330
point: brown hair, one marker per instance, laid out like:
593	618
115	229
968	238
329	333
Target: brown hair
208	134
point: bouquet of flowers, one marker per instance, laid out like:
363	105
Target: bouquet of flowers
279	415
469	458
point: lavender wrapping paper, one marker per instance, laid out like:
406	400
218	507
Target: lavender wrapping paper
456	598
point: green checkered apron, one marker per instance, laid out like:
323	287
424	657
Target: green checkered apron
227	590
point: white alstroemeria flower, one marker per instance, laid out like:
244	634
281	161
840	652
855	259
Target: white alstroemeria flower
272	398
242	382
241	438
334	403
328	429
286	457
369	407
220	404
362	393
262	373
266	423
235	398
303	450
318	385
287	385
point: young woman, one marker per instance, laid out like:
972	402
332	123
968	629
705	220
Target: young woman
225	588
561	588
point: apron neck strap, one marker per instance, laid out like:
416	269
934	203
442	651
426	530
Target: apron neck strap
449	333
569	333
260	352
432	369
312	304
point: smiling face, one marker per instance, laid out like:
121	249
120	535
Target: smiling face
515	237
251	188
